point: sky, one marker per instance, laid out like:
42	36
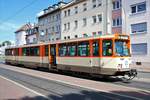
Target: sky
15	13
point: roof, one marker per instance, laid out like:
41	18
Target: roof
24	28
52	11
72	3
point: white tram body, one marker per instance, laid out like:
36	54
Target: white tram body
101	55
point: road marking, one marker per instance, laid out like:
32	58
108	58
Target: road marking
86	87
24	87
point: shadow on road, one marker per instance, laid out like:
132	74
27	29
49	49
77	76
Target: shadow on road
92	95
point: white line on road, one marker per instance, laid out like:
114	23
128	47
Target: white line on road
24	87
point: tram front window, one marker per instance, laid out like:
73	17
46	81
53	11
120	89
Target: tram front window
121	48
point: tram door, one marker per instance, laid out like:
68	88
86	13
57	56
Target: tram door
53	54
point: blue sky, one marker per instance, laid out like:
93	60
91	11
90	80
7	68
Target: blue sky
11	21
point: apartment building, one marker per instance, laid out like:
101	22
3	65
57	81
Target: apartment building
20	34
50	23
32	34
136	22
82	18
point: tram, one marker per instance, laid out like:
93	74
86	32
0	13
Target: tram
107	55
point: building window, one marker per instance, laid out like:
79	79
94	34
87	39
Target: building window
34	40
53	29
76	36
100	17
57	29
84	21
69	12
99	32
116	4
68	26
99	3
76	10
117	22
139	49
94	3
139	28
76	23
65	27
65	13
140	7
94	19
84	7
85	35
94	33
68	37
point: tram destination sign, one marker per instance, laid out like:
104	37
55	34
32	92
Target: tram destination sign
124	37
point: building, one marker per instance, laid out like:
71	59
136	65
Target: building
82	18
32	34
137	24
50	23
20	34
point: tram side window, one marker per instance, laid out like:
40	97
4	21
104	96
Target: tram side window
35	51
16	52
24	51
46	50
31	51
8	52
83	49
96	48
62	50
52	51
72	49
107	48
27	51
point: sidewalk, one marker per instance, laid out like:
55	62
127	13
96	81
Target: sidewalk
13	91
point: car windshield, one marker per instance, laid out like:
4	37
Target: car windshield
121	48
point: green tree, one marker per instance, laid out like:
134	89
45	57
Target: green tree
6	43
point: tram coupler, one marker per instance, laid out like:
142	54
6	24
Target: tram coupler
132	74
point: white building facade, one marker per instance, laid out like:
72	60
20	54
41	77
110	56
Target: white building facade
137	24
20	34
20	38
82	18
50	23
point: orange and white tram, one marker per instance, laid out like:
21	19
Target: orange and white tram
101	55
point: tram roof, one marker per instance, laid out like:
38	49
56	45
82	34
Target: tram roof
69	40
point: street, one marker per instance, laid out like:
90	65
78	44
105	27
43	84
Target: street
39	85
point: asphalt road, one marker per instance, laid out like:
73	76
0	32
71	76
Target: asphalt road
56	91
60	91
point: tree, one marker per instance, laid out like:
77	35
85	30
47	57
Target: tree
6	43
